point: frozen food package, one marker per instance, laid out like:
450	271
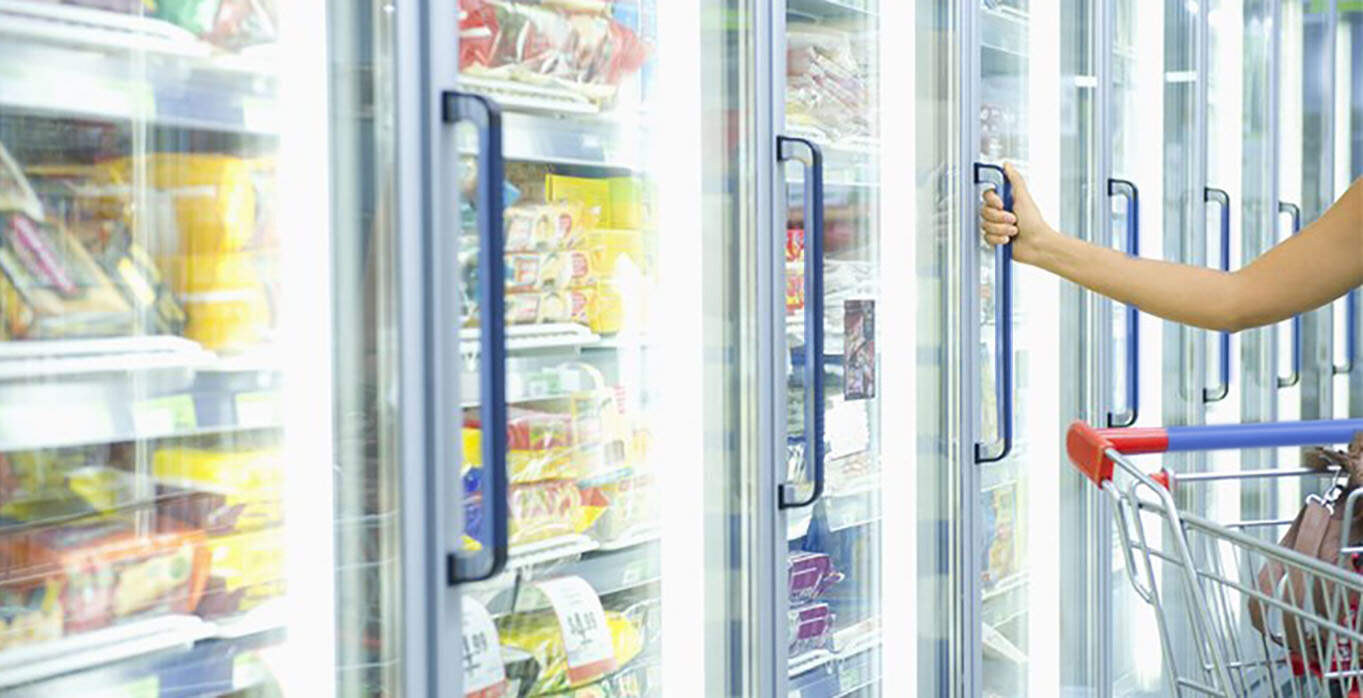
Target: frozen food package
630	505
107	572
808	574
540	635
30	612
539	445
134	273
810	628
572	45
545	227
246	570
547	271
611	202
16	194
201	204
219	491
51	288
226	23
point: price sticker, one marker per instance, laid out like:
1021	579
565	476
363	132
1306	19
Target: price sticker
586	637
166	415
255	410
484	675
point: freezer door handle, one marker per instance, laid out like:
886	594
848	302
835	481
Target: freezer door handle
1003	331
1219	393
1350	334
807	153
1128	190
1294	377
485	115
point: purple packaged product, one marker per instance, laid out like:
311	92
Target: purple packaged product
810	628
809	574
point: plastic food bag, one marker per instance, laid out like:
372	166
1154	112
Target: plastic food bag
808	574
574	44
810	628
226	23
540	635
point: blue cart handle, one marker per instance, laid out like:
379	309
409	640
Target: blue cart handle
1089	448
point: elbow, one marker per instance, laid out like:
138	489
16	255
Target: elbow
1238	312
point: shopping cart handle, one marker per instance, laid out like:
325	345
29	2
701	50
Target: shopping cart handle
1088	447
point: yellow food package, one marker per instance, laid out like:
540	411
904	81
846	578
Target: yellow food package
610	244
229	472
540	635
606	312
592	193
250	565
210	198
30	612
541	461
208	273
227	320
627	203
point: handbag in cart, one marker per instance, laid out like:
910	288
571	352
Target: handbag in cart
1316	532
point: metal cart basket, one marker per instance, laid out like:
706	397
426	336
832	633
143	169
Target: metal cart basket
1238	613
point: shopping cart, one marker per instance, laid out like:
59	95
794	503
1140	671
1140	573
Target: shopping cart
1210	583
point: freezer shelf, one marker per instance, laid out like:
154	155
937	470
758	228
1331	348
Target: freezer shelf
92	63
84	392
162	646
606	571
832	9
854	662
570	137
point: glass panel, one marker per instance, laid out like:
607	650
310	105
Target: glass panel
147	276
369	574
834	562
606	234
937	134
1314	94
1350	157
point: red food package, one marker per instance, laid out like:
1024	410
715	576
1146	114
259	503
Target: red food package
108	573
478	29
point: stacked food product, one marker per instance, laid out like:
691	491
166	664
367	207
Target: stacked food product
235	498
810	623
826	81
539	660
82	549
66	273
588	47
574	465
228	24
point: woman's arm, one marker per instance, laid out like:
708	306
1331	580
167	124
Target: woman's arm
1310	269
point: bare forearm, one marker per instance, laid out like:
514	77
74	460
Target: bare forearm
1187	294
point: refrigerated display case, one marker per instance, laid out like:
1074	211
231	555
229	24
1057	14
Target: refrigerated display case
152	447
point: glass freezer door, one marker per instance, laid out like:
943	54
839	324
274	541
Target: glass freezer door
832	571
590	482
165	351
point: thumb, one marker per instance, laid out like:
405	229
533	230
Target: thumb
1015	177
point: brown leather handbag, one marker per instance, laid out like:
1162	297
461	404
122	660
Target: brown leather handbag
1316	532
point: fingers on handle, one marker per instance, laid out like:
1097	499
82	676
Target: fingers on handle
1015	177
997	215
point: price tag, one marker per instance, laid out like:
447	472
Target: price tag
257	410
586	637
166	415
484	675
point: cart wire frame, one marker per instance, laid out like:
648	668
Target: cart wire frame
1201	577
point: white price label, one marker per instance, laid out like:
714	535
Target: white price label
586	637
484	675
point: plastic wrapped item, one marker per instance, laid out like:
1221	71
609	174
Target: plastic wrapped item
810	628
544	510
613	202
574	45
247	569
808	574
16	194
541	636
51	288
226	23
219	491
630	505
30	612
826	81
545	228
107	573
547	271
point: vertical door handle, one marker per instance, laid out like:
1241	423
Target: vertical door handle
1350	334
1127	189
485	115
1294	377
1003	330
807	153
1220	197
